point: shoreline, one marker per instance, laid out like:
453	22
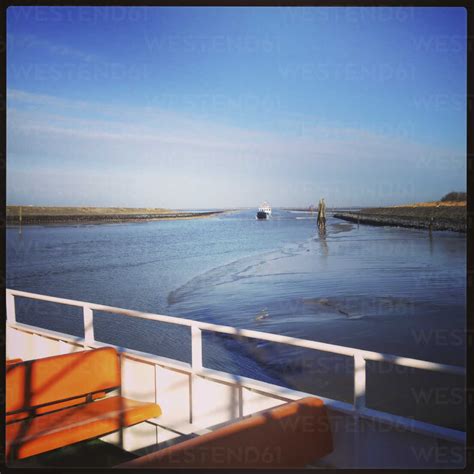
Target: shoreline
83	216
429	216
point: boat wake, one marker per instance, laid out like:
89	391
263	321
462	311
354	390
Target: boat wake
238	270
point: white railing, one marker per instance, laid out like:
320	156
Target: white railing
359	356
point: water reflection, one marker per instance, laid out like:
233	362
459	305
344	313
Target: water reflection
322	241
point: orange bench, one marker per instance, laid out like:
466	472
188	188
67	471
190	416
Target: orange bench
292	435
61	400
13	361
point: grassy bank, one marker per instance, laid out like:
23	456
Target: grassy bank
82	211
31	215
437	215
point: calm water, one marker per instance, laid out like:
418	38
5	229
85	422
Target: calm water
391	290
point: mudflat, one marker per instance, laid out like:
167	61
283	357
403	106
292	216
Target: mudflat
436	215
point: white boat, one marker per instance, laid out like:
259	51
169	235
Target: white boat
264	211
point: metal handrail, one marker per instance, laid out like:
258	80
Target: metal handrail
360	356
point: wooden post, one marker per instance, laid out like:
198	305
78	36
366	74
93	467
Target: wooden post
321	214
324	214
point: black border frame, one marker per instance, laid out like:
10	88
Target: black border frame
263	3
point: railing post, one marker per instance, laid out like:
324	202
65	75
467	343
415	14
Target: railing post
11	313
196	348
88	324
359	381
359	404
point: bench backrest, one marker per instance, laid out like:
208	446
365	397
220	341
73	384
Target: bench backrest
291	435
42	385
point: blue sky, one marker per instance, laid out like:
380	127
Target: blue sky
223	107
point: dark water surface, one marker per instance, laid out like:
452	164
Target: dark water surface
391	290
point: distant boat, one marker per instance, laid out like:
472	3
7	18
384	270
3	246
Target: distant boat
264	211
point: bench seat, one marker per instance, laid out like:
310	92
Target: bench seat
64	427
291	435
61	400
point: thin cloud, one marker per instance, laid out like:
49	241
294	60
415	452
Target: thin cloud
47	132
57	49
